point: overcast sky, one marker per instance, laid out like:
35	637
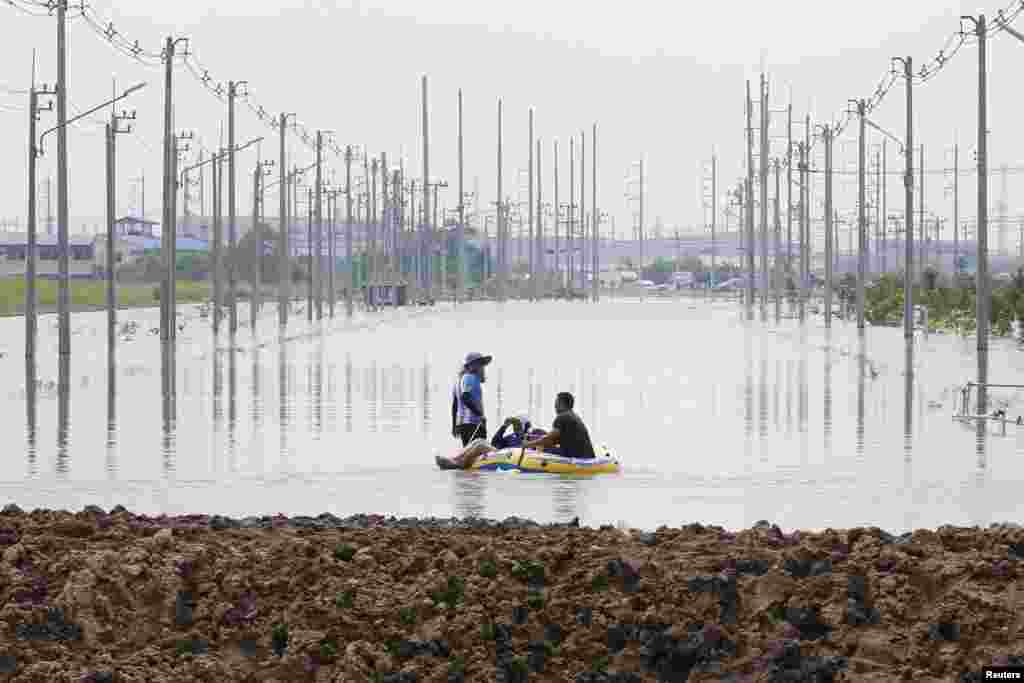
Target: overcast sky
663	81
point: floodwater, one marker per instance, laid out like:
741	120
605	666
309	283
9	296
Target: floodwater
715	419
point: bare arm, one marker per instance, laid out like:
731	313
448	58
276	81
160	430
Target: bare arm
549	439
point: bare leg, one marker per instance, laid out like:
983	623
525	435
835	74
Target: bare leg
471	453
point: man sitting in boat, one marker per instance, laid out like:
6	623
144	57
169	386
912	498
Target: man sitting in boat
521	431
568	432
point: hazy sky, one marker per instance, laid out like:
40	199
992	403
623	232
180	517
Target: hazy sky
662	80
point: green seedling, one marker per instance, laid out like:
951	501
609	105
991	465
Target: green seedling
345	599
488	569
535	602
528	570
599	583
344	552
407	615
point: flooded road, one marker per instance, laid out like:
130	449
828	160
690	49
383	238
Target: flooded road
715	419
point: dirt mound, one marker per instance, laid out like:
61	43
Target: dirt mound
115	597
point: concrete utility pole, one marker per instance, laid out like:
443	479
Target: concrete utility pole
284	295
878	212
31	318
232	224
920	222
714	217
570	229
764	161
776	275
789	192
317	271
112	131
217	173
595	241
350	280
426	187
63	292
983	287
640	228
956	213
310	301
908	233
460	285
862	226
529	211
538	289
583	214
254	297
884	226
828	133
805	211
500	219
558	220
802	148
750	204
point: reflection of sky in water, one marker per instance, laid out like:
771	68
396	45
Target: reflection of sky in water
716	420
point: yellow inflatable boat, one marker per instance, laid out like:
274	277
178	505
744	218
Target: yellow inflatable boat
533	461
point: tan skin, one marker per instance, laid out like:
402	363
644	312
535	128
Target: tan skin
551	438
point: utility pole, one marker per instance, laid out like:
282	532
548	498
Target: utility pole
884	226
284	287
984	285
908	233
232	224
350	284
750	205
583	214
64	293
570	234
714	218
595	241
789	192
764	190
956	213
828	133
861	212
31	318
558	220
641	226
778	245
540	228
920	223
802	148
500	220
254	297
805	212
878	212
426	185
112	130
460	287
529	210
310	301
317	272
217	173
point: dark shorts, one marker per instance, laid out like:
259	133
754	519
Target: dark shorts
468	432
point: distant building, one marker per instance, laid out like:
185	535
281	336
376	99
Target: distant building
14	255
136	227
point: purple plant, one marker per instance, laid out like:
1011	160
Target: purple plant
8	536
244	612
185	569
712	634
790	632
1001	569
886	564
35	594
310	665
1001	660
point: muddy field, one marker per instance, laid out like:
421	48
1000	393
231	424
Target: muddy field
97	596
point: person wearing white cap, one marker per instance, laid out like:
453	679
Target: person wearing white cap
468	420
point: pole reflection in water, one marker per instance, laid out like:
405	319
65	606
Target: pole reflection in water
63	414
426	397
282	400
218	404
775	393
393	390
789	397
232	405
332	404
498	397
529	402
256	406
910	514
31	408
371	398
861	373
468	489
828	391
566	496
111	463
348	393
748	393
168	371
802	389
762	401
318	389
